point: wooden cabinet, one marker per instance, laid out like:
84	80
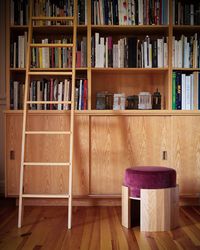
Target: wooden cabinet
186	152
104	147
119	142
41	179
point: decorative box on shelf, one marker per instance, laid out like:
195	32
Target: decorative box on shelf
144	100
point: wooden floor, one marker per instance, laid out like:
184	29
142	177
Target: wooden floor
93	228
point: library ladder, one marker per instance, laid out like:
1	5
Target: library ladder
25	132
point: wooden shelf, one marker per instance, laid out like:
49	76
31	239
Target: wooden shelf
186	69
18	69
128	29
19	27
59	29
110	112
57	69
129	69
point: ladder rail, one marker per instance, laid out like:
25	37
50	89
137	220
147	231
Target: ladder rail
72	115
25	118
30	45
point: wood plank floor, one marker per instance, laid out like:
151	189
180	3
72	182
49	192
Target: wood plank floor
93	228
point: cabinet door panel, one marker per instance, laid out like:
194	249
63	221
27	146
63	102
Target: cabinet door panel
13	153
186	153
48	148
118	142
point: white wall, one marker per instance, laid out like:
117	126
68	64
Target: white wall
2	91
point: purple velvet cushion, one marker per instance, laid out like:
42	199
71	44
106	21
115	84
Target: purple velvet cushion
148	177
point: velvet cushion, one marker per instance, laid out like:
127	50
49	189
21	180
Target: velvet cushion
148	177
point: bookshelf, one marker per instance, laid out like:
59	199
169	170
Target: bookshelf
97	128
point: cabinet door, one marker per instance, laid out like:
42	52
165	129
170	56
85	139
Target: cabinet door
13	128
48	148
186	153
119	142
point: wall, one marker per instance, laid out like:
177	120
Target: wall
2	92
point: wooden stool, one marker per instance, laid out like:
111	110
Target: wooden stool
155	189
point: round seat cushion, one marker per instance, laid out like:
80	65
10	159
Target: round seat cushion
148	177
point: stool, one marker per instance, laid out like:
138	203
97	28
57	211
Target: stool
156	190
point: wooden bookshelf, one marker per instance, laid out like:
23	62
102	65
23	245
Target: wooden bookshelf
108	141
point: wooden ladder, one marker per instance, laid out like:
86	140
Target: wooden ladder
25	132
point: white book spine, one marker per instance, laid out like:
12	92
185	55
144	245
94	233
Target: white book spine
183	91
165	54
187	93
96	49
66	94
192	92
25	46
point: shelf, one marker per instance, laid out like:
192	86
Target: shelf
186	69
139	70
57	69
59	29
186	28
128	29
18	69
19	27
110	112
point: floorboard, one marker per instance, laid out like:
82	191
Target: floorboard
95	228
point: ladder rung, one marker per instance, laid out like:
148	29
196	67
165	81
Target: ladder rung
47	132
50	73
48	102
51	45
52	18
46	164
45	195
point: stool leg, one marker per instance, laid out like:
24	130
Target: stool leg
126	219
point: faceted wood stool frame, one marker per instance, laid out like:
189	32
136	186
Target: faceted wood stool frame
159	209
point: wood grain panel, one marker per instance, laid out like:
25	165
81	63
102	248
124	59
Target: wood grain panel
44	179
13	153
186	153
119	142
159	209
130	83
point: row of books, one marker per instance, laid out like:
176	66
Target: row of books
18	51
186	91
186	12
59	57
19	12
60	8
47	57
129	52
129	12
49	90
186	52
